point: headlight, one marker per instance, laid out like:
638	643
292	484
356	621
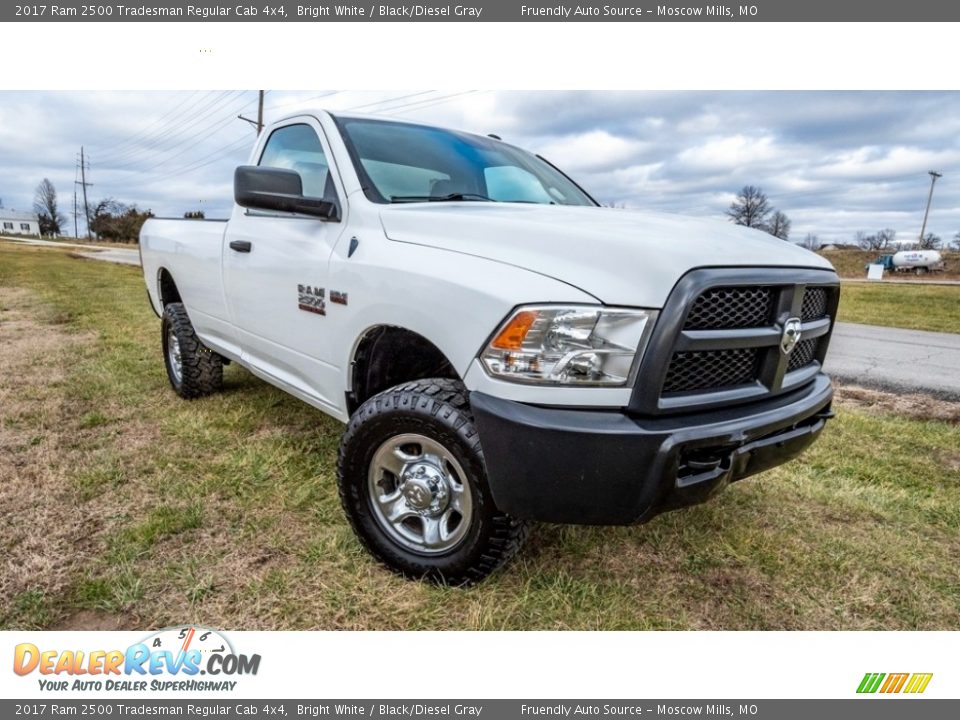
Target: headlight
579	345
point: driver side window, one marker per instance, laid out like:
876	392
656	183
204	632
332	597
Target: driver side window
297	147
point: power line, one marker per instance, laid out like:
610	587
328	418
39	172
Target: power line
428	103
202	161
241	142
191	143
174	130
390	100
147	129
304	100
177	136
136	142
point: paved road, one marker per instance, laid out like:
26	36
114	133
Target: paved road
896	359
123	256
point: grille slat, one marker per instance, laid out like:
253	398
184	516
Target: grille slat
710	369
731	307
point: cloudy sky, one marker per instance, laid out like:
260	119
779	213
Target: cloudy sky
835	162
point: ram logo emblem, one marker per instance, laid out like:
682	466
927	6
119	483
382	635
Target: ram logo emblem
791	335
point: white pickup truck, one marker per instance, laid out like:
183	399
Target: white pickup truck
502	349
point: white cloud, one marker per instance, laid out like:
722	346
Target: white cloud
594	150
729	153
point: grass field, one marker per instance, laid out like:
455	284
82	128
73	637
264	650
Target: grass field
124	506
936	307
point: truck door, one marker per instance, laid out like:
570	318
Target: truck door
275	269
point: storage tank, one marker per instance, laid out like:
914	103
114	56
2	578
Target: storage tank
908	259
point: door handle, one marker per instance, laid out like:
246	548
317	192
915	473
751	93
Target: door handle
241	245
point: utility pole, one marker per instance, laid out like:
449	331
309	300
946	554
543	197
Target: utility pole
933	181
83	184
258	123
259	112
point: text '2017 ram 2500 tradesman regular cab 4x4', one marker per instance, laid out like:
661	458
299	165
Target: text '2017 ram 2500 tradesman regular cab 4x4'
502	349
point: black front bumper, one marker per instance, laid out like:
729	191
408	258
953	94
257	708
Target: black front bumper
601	467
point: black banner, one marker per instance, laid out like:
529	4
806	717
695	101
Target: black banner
483	11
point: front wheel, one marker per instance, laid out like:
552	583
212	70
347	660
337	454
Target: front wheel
413	484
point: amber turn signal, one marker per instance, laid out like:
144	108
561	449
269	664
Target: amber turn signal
512	336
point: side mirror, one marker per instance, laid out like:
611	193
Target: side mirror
267	188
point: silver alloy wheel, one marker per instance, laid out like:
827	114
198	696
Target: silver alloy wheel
173	355
419	494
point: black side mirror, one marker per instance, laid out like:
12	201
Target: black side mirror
267	188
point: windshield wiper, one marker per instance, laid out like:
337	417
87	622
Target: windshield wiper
452	197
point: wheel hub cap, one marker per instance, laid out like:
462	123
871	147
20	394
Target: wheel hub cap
419	494
425	489
173	353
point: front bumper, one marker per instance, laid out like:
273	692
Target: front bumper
601	467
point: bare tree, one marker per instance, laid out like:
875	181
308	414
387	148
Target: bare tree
955	243
881	240
779	225
931	241
750	208
810	242
45	206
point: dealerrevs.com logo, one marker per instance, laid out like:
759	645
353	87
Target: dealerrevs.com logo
180	659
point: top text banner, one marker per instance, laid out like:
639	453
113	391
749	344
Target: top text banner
484	11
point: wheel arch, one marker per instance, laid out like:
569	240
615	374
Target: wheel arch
167	291
387	355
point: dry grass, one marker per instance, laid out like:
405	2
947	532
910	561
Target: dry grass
851	263
127	507
32	447
910	405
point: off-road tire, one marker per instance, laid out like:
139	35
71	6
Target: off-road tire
202	368
438	409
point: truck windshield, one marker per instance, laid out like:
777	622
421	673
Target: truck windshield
402	162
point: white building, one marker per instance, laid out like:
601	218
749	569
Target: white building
18	223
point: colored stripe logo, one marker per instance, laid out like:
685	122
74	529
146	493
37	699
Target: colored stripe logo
912	683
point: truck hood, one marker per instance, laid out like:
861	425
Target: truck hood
621	257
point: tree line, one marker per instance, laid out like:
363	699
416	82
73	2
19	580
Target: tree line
109	219
752	208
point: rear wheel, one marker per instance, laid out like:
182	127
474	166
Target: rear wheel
193	369
413	484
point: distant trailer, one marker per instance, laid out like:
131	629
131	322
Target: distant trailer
916	261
